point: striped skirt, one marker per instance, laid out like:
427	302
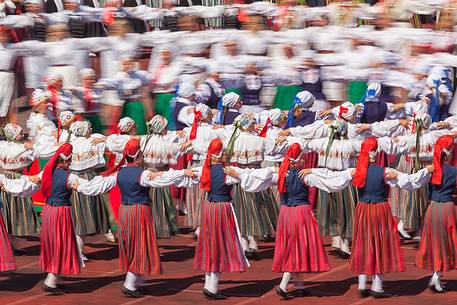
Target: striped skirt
59	250
138	250
257	213
20	216
375	243
298	245
438	247
218	247
335	212
90	213
164	212
194	199
6	253
409	206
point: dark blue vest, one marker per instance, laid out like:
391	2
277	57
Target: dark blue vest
296	190
374	112
132	192
375	190
306	118
443	192
176	110
230	116
220	192
315	89
60	192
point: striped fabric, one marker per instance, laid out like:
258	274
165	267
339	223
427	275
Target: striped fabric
375	243
438	247
298	244
213	22
335	212
90	213
411	206
138	251
164	212
59	250
6	253
257	213
194	199
218	246
19	214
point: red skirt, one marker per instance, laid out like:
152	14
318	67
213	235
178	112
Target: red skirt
375	241
179	192
6	253
298	245
138	251
59	250
218	247
438	247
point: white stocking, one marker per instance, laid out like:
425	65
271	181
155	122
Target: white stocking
336	242
376	284
207	280
197	231
252	243
436	281
244	244
130	281
51	280
362	281
80	242
285	281
214	281
345	246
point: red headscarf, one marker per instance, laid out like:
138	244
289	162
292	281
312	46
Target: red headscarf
292	154
63	151
214	149
369	145
131	149
263	133
444	143
193	130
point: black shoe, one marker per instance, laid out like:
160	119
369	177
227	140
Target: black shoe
248	254
380	295
343	254
434	290
132	293
364	293
255	255
213	296
53	291
18	252
300	293
285	295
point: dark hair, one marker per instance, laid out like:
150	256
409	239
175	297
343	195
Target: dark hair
129	159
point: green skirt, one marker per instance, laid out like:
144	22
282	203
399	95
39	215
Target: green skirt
164	212
162	105
135	110
356	91
285	96
234	90
95	122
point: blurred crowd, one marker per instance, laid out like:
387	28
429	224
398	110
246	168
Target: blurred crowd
97	58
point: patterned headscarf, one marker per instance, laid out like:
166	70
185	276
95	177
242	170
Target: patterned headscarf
66	117
229	100
39	96
373	92
11	131
80	128
125	125
157	124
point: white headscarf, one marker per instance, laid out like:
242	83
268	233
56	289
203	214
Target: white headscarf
65	117
276	116
39	96
229	100
157	124
11	131
80	128
125	125
204	110
186	89
304	99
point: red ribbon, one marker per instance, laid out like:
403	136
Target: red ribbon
88	98
263	133
54	98
193	131
343	110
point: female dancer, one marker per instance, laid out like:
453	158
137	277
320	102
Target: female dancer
438	246
138	251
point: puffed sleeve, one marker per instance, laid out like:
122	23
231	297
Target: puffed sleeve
75	180
98	185
394	147
257	180
170	177
186	117
385	128
116	143
313	131
412	181
22	187
329	181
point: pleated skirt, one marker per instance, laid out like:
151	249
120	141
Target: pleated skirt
91	214
298	244
19	216
218	246
59	250
335	212
375	243
438	246
194	200
6	253
257	213
164	212
409	206
138	250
